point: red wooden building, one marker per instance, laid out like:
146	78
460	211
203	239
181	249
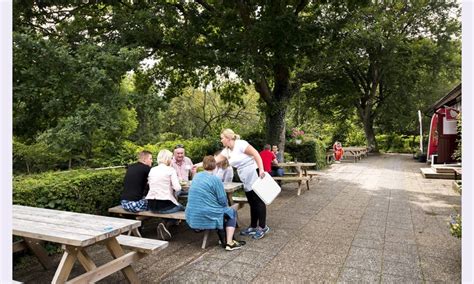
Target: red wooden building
443	127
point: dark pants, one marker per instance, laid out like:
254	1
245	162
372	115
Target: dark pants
258	210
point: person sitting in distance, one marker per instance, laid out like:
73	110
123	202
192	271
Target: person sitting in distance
224	171
183	165
136	184
276	170
164	186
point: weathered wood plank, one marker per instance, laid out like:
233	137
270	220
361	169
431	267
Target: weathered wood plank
116	250
65	217
119	210
37	231
65	266
111	267
19	246
143	245
292	178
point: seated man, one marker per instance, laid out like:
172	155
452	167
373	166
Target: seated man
268	158
207	206
136	184
276	170
183	165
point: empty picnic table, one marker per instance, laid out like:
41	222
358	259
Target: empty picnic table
76	231
302	174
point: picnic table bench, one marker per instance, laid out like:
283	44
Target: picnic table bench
229	188
302	175
118	210
75	232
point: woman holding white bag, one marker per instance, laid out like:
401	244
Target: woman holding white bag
248	162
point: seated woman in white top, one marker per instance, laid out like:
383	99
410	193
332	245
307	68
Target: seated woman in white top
164	185
224	171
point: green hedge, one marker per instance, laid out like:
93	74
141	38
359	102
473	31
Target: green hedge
310	151
84	191
196	149
396	143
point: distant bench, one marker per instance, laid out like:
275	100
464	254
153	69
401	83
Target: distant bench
118	210
357	153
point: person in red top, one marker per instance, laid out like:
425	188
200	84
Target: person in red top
268	158
338	151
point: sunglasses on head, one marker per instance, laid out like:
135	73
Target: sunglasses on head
179	146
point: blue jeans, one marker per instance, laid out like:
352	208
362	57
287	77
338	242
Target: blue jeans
277	172
175	209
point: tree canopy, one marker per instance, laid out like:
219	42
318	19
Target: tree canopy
90	76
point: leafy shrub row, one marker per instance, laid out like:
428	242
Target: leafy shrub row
84	191
396	143
310	151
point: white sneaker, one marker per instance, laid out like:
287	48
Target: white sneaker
163	232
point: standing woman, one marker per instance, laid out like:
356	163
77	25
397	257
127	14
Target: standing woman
248	162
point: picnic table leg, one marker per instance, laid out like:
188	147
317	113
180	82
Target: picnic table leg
40	252
85	260
300	183
116	250
230	200
65	265
136	232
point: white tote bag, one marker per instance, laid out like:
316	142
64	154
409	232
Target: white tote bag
266	188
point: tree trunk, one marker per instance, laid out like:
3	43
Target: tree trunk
369	133
275	125
276	101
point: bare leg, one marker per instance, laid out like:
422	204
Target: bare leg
229	234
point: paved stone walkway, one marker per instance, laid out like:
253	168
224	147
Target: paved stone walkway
375	221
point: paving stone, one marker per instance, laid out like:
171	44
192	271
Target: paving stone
397	279
409	270
364	258
376	221
328	258
368	243
239	270
375	235
207	264
440	269
353	275
282	278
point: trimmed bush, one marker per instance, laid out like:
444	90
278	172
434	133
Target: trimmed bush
395	143
310	151
83	191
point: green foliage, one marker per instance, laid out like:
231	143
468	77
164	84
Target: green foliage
396	143
310	151
256	139
455	226
385	66
196	149
197	113
84	191
33	158
457	155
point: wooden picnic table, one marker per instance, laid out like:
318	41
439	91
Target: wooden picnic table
302	174
76	231
229	188
300	167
